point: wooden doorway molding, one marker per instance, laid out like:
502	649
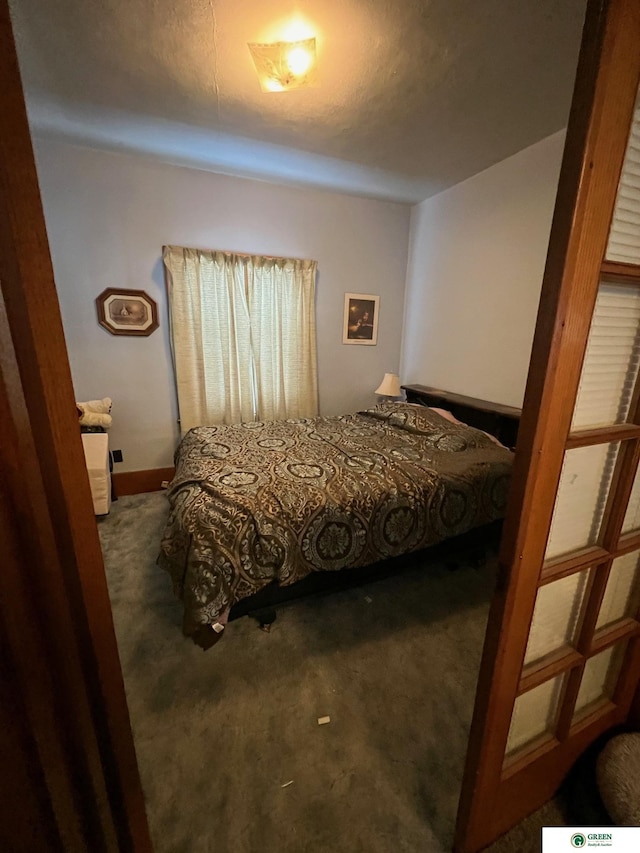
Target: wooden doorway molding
73	784
512	770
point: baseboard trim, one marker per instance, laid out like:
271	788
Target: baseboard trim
137	482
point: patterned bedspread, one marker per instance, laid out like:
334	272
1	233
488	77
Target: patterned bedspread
257	502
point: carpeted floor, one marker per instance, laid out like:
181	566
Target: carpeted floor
230	751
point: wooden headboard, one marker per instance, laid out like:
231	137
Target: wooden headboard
501	421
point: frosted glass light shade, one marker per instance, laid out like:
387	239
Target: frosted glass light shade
390	386
284	65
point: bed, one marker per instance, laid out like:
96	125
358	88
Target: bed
264	505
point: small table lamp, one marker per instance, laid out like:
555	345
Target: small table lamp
390	386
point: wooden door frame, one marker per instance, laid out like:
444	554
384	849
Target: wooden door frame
604	97
60	669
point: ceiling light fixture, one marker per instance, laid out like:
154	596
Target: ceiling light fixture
284	65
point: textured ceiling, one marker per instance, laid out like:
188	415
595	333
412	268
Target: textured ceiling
411	96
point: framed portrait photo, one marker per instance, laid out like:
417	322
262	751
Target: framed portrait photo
127	312
360	323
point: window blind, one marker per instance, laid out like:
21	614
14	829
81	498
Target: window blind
632	517
624	237
581	499
611	360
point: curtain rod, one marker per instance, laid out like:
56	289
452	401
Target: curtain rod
242	254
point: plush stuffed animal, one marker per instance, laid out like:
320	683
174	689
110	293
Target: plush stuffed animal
95	413
102	407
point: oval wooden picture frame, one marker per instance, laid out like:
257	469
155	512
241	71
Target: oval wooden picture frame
127	312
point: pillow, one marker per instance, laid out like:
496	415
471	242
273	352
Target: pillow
442	412
400	414
446	415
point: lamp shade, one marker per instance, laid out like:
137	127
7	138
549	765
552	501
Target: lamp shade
390	386
284	65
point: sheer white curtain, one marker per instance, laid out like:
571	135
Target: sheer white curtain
281	296
242	335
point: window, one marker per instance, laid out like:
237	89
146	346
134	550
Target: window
242	335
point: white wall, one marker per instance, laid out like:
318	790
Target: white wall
476	259
108	216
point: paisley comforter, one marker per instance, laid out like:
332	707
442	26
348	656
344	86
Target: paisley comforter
257	502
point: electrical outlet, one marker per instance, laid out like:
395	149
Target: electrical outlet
117	455
164	484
